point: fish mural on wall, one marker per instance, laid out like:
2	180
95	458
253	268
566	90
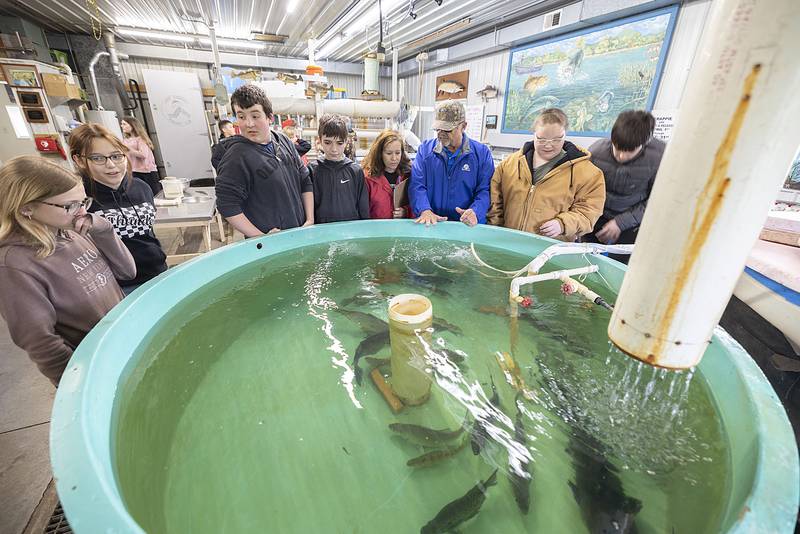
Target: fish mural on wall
591	74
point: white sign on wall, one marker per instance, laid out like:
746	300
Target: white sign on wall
665	121
474	117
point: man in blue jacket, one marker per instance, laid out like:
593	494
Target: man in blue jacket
451	175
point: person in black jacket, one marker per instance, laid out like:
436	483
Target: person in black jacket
340	192
226	131
290	130
262	186
121	198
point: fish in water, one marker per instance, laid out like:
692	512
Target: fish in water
520	477
432	457
461	509
250	74
427	437
441	324
453	356
449	87
598	490
368	323
533	83
479	434
285	77
369	346
604	101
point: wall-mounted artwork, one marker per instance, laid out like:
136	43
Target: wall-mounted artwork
21	75
452	86
591	74
793	179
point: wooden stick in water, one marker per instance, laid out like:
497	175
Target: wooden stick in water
391	399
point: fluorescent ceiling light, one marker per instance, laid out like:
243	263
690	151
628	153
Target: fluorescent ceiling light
329	47
291	6
162	36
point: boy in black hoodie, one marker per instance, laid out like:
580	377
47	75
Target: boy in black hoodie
340	192
262	186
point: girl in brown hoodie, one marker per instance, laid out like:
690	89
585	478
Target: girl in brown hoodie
58	263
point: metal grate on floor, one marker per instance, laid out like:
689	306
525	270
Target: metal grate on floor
58	523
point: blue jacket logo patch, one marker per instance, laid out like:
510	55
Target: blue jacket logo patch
465	168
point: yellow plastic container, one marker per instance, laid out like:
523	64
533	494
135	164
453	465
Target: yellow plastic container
410	319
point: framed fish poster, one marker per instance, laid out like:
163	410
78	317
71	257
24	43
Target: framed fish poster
452	86
591	74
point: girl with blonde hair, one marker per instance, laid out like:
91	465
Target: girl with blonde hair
126	201
58	263
140	152
386	165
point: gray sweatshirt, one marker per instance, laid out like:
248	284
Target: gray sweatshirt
51	303
628	184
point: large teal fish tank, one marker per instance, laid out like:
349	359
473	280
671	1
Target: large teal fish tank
239	392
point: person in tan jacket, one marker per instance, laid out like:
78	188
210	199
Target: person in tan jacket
550	187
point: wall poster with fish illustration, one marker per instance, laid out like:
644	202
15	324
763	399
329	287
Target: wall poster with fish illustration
452	86
592	74
793	178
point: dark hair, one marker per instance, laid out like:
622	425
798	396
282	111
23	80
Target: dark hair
552	116
373	161
331	125
632	129
248	96
222	124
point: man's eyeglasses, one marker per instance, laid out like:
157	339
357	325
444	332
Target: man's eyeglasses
72	207
99	159
553	141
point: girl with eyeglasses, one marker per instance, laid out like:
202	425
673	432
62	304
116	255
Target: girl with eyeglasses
140	152
549	187
58	263
123	199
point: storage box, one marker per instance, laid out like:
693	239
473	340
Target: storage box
56	85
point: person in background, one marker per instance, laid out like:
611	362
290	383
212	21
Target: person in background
385	166
550	186
629	161
350	144
226	131
290	130
262	185
124	200
340	191
140	152
451	173
58	263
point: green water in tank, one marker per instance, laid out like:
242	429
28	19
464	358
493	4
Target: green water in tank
243	413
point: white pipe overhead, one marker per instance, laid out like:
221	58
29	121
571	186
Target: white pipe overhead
733	142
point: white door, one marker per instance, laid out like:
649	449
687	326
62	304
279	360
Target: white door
176	102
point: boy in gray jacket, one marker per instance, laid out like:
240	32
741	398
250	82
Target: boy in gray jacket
629	161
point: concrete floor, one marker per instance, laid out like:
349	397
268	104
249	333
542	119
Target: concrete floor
26	400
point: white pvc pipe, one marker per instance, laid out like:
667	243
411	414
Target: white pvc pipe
733	142
344	106
516	283
574	248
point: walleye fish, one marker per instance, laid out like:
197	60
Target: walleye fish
285	77
461	509
368	323
250	74
430	458
479	434
598	490
369	346
427	437
521	481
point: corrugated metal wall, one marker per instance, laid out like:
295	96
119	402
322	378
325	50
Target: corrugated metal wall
487	70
